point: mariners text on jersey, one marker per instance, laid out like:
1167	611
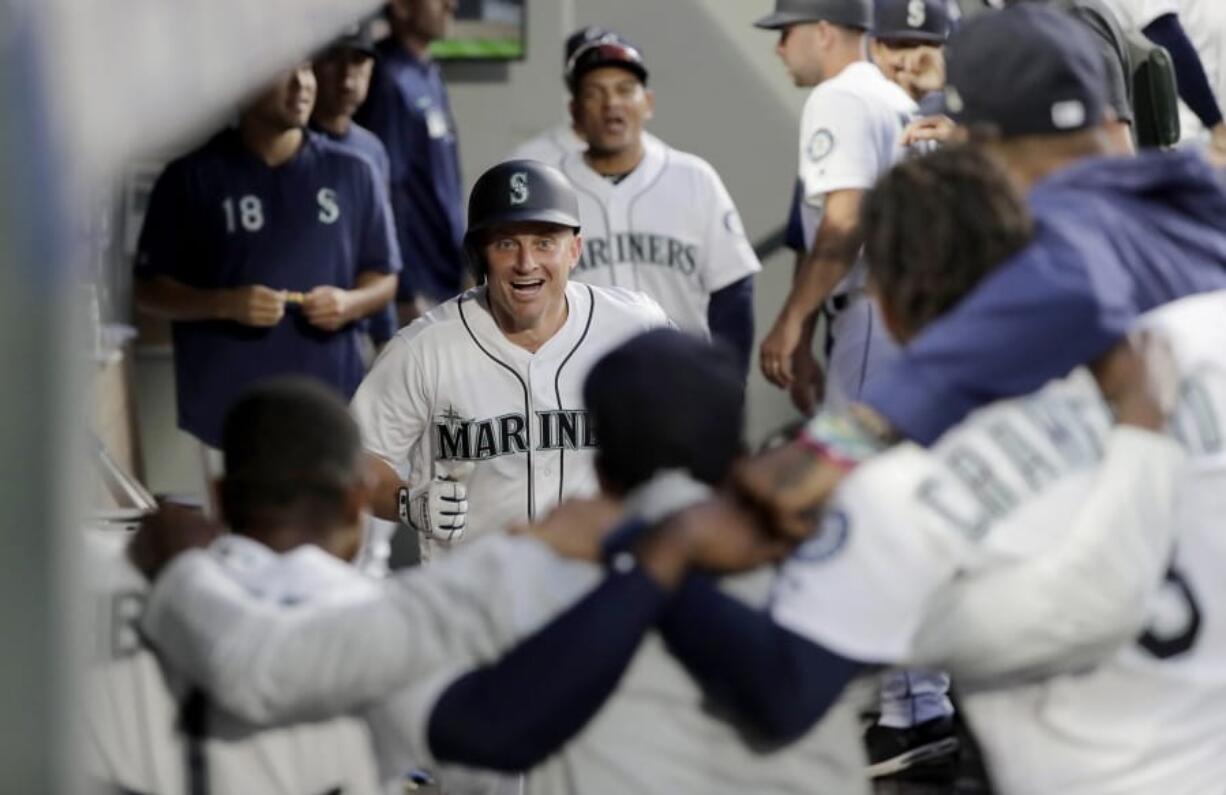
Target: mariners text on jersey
640	248
465	439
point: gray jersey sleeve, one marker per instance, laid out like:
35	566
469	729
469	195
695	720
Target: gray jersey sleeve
271	663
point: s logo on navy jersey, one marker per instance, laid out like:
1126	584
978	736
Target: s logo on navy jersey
329	209
916	13
519	188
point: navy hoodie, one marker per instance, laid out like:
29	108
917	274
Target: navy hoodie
1115	237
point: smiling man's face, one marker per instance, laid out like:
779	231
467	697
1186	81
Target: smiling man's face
527	268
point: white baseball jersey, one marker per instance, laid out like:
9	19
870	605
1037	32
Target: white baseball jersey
431	625
1004	490
1134	15
452	387
669	229
850	134
555	144
134	707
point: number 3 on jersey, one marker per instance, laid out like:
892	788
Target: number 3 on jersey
250	213
1179	636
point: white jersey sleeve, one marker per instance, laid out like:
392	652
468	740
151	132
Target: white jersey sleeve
269	662
1078	602
730	255
391	405
551	146
1135	15
839	146
857	586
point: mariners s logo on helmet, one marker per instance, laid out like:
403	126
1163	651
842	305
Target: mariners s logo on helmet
519	187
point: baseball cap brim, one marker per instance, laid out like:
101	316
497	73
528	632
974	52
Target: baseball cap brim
529	215
910	35
778	21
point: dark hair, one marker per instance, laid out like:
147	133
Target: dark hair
665	400
292	452
935	225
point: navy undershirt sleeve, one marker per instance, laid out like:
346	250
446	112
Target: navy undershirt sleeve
1194	88
516	712
775	683
794	234
730	318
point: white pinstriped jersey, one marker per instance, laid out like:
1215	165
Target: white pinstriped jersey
669	229
554	145
451	387
1003	488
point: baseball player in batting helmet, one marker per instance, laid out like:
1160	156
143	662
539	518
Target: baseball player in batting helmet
514	192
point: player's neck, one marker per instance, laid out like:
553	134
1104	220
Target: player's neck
280	538
608	164
839	60
1032	159
416	45
286	537
273	146
336	125
531	338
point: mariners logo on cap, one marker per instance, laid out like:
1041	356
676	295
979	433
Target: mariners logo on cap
519	187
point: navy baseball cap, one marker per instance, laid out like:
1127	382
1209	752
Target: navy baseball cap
580	37
848	13
357	36
1026	70
607	49
911	20
666	400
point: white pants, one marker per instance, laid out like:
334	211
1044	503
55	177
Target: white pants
860	346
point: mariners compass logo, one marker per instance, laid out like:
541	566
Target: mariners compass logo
519	187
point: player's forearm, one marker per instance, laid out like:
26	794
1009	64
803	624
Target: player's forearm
730	318
1193	83
383	499
773	680
816	278
372	292
515	713
167	298
266	663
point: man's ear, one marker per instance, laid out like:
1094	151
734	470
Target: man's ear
576	251
651	104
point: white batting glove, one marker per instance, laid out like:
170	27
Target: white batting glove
438	509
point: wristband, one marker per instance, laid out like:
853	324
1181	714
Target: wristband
841	438
402	505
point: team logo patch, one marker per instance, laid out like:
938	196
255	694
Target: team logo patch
519	187
732	222
832	534
820	145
